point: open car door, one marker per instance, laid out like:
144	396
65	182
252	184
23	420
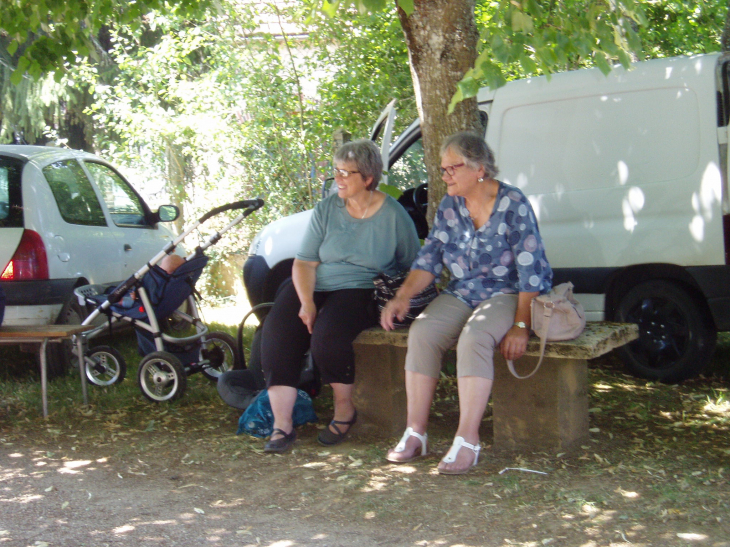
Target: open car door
382	133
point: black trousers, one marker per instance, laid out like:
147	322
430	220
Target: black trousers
342	315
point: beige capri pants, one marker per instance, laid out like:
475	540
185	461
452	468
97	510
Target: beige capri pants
479	332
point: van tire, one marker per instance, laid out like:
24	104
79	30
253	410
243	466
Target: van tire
676	340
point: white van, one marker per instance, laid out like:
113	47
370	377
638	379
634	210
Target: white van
627	174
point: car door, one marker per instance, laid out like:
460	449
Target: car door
383	131
137	239
80	246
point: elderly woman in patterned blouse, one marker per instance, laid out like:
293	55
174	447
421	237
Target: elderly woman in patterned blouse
485	233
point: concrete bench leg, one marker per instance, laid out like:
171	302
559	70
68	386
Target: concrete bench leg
379	392
547	412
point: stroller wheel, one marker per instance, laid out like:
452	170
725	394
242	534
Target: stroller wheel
105	366
162	377
221	353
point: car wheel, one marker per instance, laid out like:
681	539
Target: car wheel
675	342
60	357
162	377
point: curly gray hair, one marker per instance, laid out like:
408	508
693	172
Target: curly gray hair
366	156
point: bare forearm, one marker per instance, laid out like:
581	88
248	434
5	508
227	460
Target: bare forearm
522	314
416	281
304	276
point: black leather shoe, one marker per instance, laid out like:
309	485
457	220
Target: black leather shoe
281	444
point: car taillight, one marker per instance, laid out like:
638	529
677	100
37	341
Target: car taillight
29	261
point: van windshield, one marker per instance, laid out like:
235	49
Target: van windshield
11	201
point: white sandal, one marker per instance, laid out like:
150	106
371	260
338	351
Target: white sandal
401	446
450	457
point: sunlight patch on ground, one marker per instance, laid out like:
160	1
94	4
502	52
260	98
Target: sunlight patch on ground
720	408
692	537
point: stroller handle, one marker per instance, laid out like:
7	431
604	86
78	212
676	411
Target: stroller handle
251	204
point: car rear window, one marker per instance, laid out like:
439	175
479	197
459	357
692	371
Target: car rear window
74	195
11	197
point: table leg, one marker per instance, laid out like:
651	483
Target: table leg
44	378
82	368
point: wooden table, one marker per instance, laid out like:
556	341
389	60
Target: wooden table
42	334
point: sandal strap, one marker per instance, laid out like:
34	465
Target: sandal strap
401	446
459	442
286	435
335	423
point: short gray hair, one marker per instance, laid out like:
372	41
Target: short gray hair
475	151
366	156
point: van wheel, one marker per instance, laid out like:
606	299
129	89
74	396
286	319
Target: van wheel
675	342
60	356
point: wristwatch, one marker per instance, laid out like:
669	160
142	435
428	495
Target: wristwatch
520	324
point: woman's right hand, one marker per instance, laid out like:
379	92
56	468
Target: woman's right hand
308	314
397	307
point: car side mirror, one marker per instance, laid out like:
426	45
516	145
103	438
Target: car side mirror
167	213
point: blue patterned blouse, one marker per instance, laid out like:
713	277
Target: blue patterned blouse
505	256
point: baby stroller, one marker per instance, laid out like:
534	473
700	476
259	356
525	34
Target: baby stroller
146	300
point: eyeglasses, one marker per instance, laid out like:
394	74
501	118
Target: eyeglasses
343	173
451	169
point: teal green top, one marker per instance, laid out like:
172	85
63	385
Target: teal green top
352	251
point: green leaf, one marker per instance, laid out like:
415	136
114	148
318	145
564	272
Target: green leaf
624	59
392	191
406	5
330	8
602	62
522	22
17	76
456	99
468	86
528	65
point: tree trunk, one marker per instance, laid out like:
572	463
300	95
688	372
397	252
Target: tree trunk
176	181
442	46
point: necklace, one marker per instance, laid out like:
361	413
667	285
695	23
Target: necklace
367	206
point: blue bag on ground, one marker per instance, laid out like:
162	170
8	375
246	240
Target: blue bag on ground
258	420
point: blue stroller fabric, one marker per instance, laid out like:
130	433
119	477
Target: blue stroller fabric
166	291
258	420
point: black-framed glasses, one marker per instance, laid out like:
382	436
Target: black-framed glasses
343	173
451	169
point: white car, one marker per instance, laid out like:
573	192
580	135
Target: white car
68	218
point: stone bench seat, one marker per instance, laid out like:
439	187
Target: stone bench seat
548	411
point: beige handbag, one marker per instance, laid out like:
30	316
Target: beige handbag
556	316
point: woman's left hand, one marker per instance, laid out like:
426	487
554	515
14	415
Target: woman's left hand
514	343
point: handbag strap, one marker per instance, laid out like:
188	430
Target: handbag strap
543	342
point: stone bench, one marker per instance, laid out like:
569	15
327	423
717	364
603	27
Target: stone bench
548	411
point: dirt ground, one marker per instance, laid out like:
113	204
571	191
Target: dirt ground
654	473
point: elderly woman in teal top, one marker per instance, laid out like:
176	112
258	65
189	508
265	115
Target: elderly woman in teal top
351	237
486	235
